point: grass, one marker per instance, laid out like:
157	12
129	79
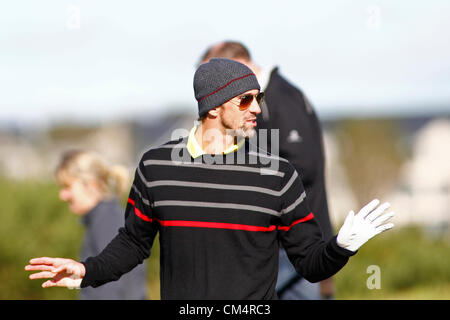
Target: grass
427	292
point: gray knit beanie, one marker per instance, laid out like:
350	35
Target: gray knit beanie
220	80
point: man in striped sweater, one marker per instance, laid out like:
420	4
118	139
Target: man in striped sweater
221	206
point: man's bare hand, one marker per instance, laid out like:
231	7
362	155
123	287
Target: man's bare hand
62	272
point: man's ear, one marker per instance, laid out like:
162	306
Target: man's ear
213	113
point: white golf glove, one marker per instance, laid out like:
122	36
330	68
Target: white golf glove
358	229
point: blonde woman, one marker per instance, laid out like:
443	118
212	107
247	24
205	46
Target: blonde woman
92	188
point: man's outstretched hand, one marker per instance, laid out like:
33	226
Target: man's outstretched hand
367	223
62	272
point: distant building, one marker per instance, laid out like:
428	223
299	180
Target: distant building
35	155
423	194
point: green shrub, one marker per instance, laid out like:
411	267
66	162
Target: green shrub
35	223
407	259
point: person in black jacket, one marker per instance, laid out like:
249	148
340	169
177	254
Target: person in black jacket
91	188
287	109
221	205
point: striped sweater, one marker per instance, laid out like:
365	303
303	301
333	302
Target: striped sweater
221	219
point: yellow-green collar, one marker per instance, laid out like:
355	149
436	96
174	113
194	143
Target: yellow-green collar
195	150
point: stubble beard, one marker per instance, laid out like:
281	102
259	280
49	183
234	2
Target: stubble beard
240	130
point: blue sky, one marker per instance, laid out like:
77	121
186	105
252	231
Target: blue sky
102	60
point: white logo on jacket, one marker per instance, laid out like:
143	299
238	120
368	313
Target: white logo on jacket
294	136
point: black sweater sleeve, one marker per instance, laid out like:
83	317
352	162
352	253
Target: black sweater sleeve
131	246
314	258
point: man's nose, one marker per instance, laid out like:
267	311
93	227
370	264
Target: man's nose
254	107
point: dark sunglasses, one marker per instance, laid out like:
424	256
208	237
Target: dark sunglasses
245	101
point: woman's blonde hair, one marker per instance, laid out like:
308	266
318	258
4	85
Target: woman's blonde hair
88	165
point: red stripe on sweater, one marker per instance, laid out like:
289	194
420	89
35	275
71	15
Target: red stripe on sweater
217	225
213	225
308	217
138	212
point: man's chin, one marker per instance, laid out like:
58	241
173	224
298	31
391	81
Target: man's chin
248	133
242	133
